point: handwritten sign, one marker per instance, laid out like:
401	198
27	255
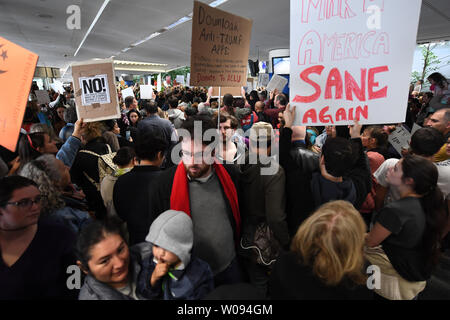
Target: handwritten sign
400	139
234	91
277	82
95	90
351	59
16	74
219	47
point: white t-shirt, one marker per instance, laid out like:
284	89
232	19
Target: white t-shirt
444	177
393	194
129	290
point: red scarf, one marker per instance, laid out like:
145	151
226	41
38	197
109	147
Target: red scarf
179	197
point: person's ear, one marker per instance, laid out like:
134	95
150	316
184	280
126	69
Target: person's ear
409	181
82	268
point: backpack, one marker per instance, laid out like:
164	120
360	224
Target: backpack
247	122
105	164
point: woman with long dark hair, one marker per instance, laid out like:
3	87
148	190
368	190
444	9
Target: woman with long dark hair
409	230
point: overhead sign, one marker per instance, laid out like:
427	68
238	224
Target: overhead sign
219	48
16	74
352	59
95	90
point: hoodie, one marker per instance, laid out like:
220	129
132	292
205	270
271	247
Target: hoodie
325	190
176	116
190	280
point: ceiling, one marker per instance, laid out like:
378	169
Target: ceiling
40	26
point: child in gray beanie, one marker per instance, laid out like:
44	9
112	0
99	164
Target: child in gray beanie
171	273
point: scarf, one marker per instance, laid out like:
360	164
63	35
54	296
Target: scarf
179	197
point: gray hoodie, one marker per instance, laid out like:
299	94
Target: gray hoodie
173	231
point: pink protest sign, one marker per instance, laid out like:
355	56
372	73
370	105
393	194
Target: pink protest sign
352	59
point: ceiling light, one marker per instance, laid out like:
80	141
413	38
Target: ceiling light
92	24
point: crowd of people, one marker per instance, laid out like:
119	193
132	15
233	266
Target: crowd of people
177	199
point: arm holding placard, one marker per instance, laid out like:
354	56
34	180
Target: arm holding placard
70	148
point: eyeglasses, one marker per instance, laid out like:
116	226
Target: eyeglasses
26	203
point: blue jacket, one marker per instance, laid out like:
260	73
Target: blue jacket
69	150
72	217
192	283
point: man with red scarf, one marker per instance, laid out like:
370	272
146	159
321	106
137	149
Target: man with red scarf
208	192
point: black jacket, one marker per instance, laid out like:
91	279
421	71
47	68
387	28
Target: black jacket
163	190
298	163
88	163
132	197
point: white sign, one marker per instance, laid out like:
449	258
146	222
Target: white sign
400	139
42	96
146	91
415	128
94	90
180	79
57	86
277	82
128	92
263	79
351	59
158	85
188	81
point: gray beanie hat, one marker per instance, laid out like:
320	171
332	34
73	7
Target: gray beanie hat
173	231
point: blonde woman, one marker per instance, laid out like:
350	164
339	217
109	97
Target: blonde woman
326	259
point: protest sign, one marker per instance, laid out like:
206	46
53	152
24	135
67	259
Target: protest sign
128	92
42	96
146	91
95	90
57	86
180	79
158	84
351	60
188	80
263	79
277	82
400	139
17	67
235	91
415	128
219	47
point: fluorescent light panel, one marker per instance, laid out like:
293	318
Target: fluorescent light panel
99	13
173	25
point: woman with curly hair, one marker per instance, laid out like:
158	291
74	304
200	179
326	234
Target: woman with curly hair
52	177
326	260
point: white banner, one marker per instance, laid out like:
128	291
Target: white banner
352	59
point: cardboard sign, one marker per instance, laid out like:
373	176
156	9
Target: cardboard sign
277	82
351	60
42	96
95	90
400	139
128	92
219	47
146	91
235	91
17	67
